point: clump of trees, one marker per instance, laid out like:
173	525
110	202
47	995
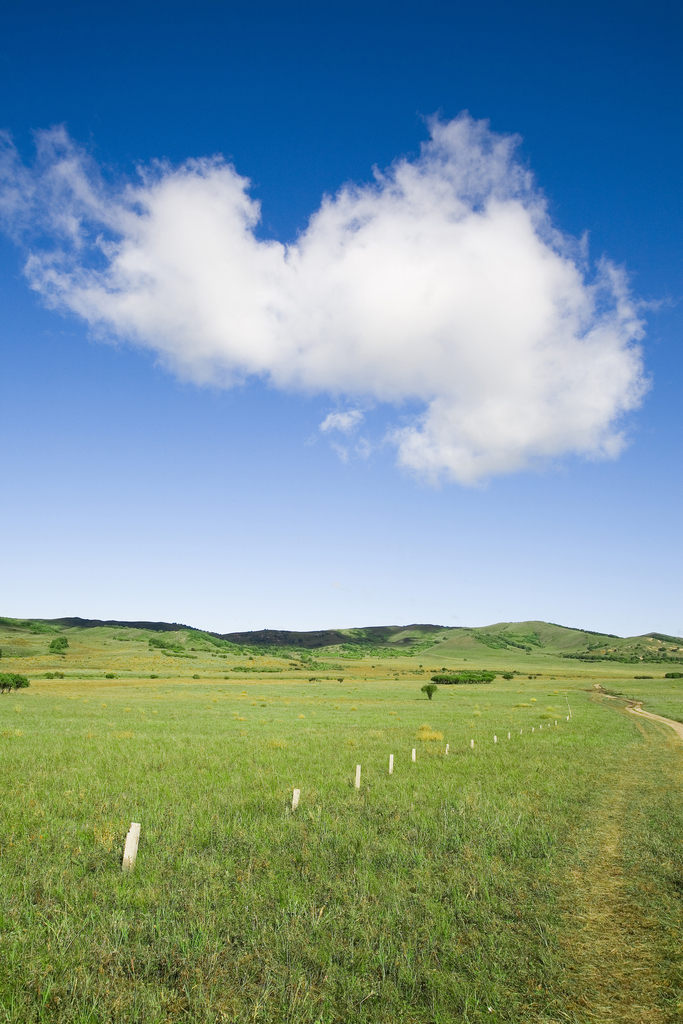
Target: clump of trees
453	678
429	689
669	675
58	645
12	681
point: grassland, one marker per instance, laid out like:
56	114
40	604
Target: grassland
536	879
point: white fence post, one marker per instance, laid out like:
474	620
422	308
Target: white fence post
130	850
413	753
495	739
472	744
295	799
391	764
447	745
357	776
509	737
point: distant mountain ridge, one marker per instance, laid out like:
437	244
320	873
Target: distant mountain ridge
543	638
74	620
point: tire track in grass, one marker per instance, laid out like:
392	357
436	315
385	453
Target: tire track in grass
611	941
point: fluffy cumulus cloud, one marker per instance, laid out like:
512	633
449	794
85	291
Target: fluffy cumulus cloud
441	288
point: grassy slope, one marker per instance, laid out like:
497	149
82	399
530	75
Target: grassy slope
521	646
540	876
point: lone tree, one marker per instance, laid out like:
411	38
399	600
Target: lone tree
429	689
12	681
58	645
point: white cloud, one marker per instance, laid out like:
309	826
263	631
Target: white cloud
342	421
441	286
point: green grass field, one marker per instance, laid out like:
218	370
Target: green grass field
536	879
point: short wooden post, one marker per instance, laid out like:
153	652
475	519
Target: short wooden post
413	753
472	744
540	727
567	717
295	799
509	736
391	764
495	739
130	850
447	745
555	721
357	776
533	729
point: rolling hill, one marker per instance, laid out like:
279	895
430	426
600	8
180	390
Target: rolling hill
502	638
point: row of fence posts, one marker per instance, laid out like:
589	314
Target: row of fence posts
413	757
130	849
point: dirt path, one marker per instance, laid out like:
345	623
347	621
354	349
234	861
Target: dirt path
637	709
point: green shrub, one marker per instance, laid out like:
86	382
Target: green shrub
109	675
673	675
160	644
448	679
429	689
58	645
12	681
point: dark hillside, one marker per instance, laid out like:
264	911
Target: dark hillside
363	636
76	622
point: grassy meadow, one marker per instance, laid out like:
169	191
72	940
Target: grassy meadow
539	878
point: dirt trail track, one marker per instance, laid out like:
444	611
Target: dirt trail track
636	709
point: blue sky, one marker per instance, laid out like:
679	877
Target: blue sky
160	461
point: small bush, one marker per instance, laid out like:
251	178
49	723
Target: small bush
429	689
671	675
427	734
109	675
58	645
508	675
195	676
